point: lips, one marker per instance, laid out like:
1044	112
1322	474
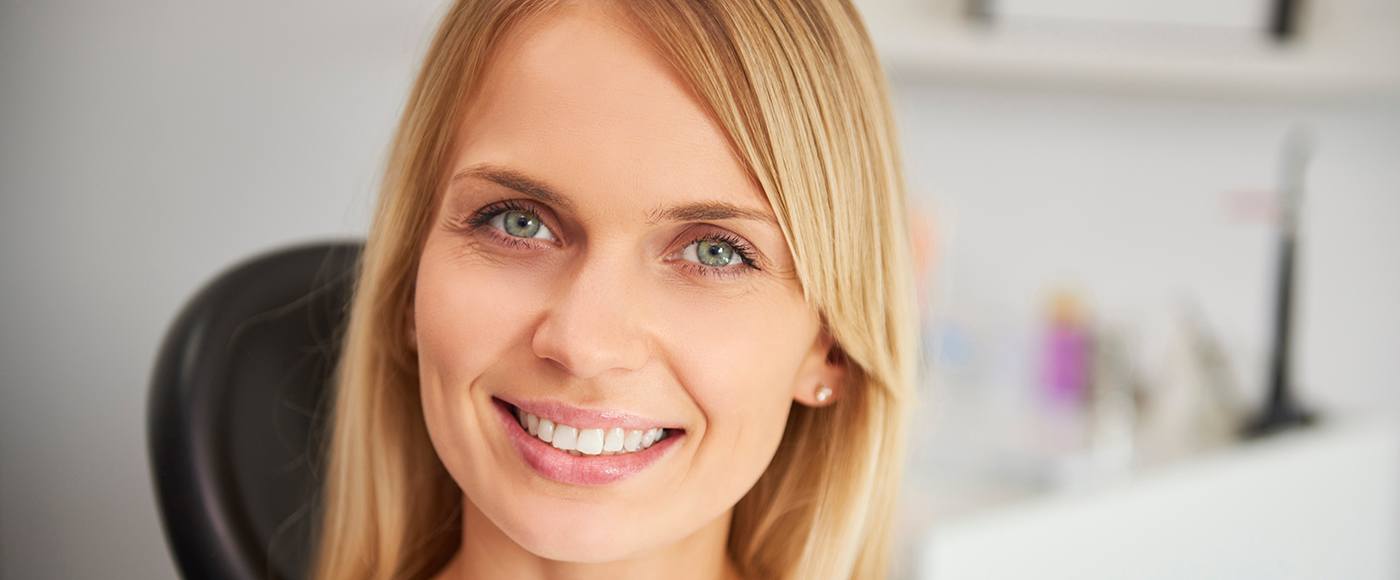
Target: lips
586	447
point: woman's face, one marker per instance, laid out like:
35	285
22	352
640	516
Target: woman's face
602	261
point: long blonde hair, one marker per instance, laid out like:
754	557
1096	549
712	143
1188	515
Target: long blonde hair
797	89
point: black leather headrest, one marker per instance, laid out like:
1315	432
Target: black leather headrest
237	406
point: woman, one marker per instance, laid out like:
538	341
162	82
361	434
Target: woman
636	303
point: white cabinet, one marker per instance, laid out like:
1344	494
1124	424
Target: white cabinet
1315	504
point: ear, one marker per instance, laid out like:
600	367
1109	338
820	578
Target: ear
824	366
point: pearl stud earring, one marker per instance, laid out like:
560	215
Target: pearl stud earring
823	393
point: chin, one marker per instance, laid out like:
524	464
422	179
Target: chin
581	533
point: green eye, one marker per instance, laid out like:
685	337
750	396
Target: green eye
715	253
522	224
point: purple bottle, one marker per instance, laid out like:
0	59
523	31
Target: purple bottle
1065	368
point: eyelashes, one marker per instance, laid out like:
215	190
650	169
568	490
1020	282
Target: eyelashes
483	216
482	219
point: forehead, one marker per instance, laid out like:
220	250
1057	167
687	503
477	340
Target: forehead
579	98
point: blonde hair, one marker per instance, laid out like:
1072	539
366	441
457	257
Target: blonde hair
797	89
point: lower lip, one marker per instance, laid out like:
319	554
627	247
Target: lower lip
562	467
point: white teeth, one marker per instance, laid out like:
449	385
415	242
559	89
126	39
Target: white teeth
590	441
651	436
565	437
614	441
577	441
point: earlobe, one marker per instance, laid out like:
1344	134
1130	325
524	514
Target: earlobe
823	384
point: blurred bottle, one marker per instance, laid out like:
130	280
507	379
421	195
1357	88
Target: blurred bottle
1067	348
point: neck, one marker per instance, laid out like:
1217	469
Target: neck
486	553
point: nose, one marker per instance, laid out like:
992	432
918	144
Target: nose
592	327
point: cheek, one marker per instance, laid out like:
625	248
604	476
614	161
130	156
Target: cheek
739	364
747	346
467	313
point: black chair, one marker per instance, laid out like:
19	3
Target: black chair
237	412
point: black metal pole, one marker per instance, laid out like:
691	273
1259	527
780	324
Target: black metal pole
1281	411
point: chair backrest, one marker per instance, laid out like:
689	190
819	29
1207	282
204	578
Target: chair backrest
238	402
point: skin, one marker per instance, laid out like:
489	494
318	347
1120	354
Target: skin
611	313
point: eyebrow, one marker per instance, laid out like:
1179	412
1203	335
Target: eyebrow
541	191
517	181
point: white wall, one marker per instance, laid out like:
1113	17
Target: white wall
1128	200
145	145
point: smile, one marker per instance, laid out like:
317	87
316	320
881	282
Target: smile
580	447
604	441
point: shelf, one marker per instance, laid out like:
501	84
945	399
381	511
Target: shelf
921	48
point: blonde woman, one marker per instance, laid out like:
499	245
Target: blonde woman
636	303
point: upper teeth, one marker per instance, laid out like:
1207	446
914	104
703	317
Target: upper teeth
589	441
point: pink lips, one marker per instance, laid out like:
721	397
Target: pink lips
563	467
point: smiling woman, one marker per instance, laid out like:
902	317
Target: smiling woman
636	303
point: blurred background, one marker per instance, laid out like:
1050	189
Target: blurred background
1103	191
